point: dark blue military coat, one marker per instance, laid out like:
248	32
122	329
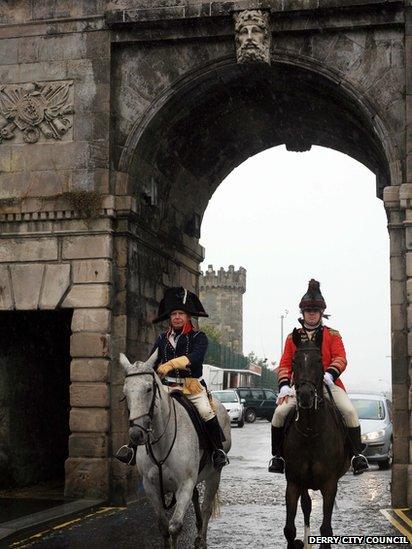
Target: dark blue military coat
193	345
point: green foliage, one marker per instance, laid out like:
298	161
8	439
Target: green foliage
268	378
212	333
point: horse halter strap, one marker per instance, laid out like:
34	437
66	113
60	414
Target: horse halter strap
153	401
159	463
318	399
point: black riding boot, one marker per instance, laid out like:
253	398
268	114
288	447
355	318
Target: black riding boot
359	462
127	454
219	457
277	463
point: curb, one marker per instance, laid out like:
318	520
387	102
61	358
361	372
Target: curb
25	524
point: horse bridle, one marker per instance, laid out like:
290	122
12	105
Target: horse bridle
149	443
317	400
133	422
155	389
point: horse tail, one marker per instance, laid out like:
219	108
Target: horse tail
216	505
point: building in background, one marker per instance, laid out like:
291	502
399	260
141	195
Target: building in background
221	293
218	378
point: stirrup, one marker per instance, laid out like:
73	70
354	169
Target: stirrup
362	465
276	465
219	459
127	456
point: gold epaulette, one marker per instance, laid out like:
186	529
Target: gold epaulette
334	332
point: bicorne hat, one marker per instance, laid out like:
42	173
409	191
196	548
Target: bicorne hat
313	297
179	299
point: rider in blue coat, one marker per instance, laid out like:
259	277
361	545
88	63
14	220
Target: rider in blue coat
181	351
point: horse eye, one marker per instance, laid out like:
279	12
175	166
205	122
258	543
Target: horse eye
148	390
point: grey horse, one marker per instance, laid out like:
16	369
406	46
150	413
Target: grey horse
165	435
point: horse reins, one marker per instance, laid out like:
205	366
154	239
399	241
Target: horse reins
317	400
150	443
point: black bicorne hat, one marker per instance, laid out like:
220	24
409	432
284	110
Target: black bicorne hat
313	297
179	299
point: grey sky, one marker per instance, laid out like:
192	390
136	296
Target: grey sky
287	217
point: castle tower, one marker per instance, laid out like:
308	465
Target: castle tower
222	296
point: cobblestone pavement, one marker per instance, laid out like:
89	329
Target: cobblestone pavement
252	508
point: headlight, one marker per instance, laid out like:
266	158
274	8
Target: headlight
374	435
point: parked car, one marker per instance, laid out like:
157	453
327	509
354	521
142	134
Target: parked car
231	401
375	418
257	402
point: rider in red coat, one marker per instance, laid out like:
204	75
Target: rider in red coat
333	356
329	341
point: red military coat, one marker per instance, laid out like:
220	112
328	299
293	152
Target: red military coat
333	357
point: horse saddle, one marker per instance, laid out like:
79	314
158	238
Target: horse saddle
194	415
334	410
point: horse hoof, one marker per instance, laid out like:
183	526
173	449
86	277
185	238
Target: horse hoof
200	544
298	544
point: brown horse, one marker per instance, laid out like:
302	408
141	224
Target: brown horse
315	450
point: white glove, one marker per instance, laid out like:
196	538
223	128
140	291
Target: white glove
328	379
285	391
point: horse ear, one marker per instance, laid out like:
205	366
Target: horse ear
296	337
151	361
124	362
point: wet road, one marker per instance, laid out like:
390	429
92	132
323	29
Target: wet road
252	509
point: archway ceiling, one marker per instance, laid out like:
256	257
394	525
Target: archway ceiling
205	131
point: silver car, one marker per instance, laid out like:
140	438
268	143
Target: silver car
375	418
231	401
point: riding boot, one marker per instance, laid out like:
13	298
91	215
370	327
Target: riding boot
219	457
277	463
127	454
359	462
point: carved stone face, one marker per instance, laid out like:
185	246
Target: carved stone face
252	36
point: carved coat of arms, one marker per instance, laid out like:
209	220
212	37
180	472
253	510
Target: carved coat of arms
35	109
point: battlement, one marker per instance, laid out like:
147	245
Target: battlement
224	279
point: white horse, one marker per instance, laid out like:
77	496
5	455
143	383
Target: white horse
168	454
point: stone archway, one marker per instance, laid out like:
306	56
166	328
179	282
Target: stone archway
212	120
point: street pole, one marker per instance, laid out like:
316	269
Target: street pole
282	317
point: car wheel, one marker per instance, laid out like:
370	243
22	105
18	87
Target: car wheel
241	422
250	415
268	418
387	463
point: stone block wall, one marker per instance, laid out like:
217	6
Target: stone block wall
142	108
56	80
70	268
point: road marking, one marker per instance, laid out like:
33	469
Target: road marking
404	516
65	524
21	544
405	531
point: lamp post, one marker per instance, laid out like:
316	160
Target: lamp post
282	317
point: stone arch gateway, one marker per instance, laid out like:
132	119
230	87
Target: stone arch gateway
129	115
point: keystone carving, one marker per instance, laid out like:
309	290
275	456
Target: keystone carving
36	109
252	36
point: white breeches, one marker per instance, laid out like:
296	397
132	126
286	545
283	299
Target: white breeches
201	401
342	400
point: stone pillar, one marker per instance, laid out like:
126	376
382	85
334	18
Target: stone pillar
398	210
87	468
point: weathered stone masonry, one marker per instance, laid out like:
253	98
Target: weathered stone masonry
119	121
221	293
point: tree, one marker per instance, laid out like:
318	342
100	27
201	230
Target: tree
268	377
212	333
